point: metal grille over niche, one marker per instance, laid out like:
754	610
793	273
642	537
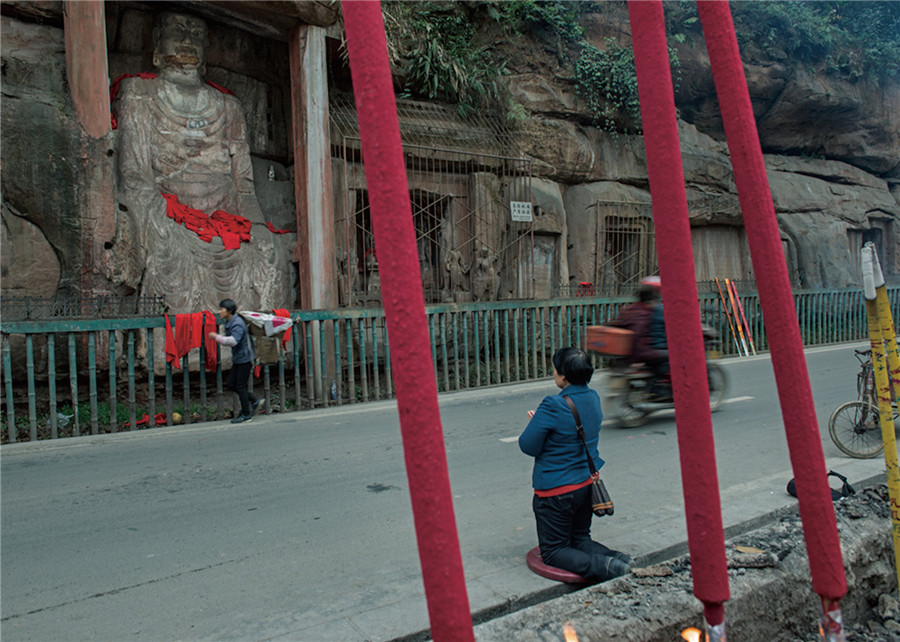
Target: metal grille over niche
463	175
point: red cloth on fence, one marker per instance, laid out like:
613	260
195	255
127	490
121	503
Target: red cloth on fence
233	229
282	312
147	75
190	331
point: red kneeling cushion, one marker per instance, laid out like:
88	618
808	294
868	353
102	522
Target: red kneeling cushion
536	564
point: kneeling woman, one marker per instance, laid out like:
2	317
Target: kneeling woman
561	477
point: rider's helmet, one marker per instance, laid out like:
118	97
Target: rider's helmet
649	289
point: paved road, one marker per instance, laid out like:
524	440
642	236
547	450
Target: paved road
298	527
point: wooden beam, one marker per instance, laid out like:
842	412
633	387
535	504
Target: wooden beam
314	251
86	64
268	18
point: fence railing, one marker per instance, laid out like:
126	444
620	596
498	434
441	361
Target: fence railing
57	379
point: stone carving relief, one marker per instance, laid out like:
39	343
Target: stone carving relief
179	136
485	279
456	272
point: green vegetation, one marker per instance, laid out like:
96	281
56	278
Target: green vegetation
66	419
436	54
433	50
431	46
607	80
850	40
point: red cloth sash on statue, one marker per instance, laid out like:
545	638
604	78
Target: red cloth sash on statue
232	229
275	230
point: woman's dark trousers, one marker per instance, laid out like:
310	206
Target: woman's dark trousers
564	533
237	381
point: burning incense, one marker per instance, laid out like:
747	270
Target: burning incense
734	312
728	316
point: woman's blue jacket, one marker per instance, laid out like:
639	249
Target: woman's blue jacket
551	438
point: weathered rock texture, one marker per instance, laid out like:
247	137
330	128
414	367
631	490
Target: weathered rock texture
832	149
51	167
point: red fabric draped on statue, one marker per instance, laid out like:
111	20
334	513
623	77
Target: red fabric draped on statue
190	331
231	228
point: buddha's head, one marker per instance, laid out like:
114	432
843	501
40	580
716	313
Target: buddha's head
179	41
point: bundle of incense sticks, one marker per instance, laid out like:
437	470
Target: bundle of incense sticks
737	320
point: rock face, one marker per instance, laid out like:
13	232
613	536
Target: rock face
40	153
832	152
29	266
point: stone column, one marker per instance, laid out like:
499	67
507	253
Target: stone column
314	251
88	78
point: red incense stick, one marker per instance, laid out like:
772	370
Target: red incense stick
404	304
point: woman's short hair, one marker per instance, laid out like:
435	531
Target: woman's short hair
574	365
229	305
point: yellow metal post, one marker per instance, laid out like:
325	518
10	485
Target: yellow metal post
878	339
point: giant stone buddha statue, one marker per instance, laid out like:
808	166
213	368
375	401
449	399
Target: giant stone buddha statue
180	137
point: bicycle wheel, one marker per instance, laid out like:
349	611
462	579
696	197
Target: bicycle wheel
855	429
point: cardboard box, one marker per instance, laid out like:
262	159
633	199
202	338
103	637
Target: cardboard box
608	341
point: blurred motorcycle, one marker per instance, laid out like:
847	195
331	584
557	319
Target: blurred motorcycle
633	391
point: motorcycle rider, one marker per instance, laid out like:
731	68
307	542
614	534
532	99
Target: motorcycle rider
645	318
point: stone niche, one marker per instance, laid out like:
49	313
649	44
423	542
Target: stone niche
50	164
549	261
825	208
255	70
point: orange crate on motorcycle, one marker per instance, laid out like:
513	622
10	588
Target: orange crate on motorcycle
608	341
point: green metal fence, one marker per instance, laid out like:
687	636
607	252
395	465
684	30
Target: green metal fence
57	379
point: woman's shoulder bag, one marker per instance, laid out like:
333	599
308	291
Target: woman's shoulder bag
601	502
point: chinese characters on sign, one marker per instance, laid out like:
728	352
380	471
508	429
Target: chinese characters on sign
520	211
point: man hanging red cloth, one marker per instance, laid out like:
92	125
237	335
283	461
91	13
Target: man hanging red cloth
190	331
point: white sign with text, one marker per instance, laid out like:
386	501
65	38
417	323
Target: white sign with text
521	211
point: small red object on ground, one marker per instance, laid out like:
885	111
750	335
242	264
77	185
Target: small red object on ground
536	564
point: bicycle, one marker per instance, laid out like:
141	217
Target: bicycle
855	426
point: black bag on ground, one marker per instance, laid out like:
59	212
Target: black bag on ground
845	491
